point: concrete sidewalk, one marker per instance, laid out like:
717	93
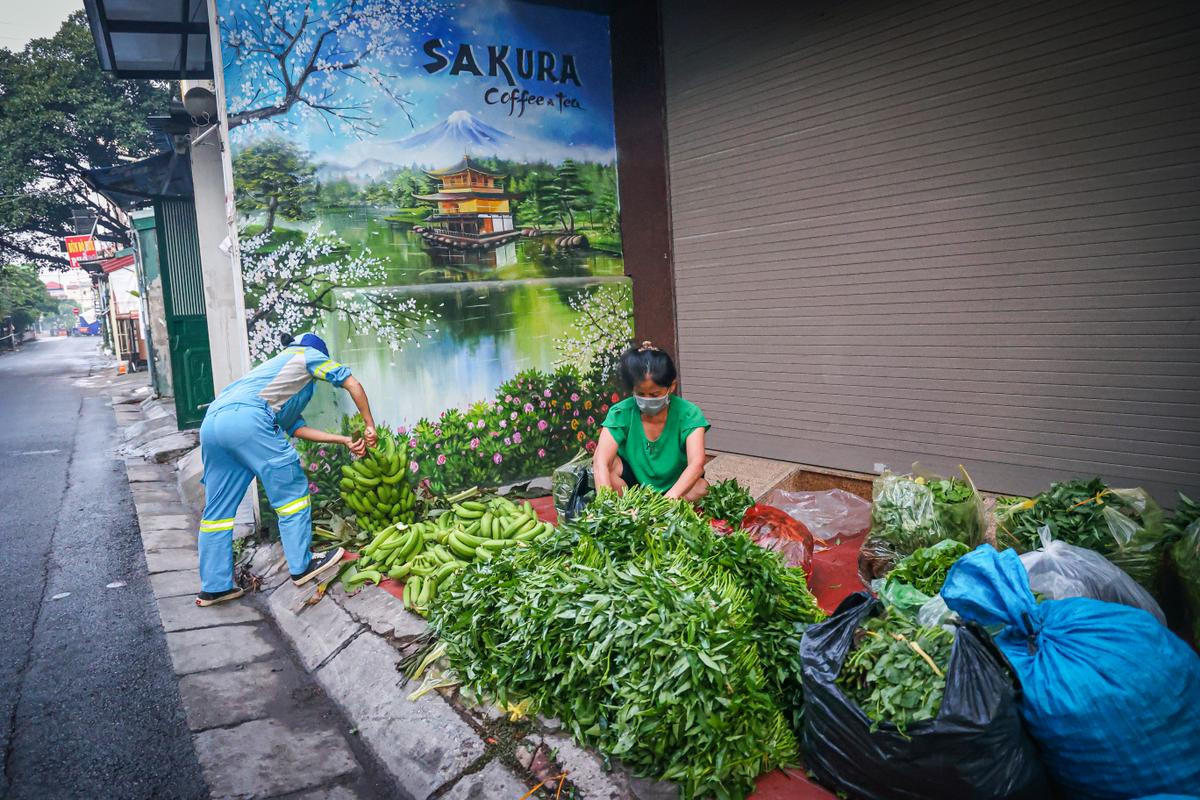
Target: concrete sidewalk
234	668
260	726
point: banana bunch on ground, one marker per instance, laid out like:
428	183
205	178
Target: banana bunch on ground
376	487
424	554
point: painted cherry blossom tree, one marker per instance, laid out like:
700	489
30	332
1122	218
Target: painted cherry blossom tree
602	329
309	55
292	286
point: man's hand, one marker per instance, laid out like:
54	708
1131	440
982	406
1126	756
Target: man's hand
358	447
372	438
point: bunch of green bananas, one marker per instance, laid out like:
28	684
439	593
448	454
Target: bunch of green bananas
376	487
424	554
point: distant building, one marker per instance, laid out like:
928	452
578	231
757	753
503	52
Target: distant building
472	206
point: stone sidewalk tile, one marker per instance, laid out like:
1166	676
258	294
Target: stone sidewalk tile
160	508
265	757
165	540
338	793
153	495
586	770
316	631
139	471
228	696
423	744
173	584
172	560
213	648
181	613
494	780
381	611
164	522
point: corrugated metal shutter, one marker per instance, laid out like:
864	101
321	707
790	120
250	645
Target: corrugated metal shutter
947	231
186	282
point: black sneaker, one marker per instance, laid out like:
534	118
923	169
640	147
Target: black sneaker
320	566
212	598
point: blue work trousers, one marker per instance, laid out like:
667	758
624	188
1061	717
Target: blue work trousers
238	443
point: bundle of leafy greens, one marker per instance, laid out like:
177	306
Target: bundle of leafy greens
1124	525
653	639
897	671
925	570
727	500
1184	527
917	578
910	512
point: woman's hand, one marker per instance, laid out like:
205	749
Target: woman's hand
358	447
371	438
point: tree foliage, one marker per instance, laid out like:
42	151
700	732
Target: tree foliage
277	177
59	115
23	296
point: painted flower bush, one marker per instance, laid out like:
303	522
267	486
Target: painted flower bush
536	422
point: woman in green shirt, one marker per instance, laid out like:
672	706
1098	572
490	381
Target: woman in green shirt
654	437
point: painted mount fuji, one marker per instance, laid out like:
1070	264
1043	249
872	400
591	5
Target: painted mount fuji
447	141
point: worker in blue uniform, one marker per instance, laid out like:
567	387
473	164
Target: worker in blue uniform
244	435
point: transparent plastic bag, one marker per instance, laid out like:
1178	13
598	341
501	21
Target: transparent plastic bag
906	516
934	612
1140	549
828	515
564	483
1059	570
1185	560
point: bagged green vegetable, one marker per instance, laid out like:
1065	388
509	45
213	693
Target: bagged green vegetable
1185	557
918	577
919	510
1125	526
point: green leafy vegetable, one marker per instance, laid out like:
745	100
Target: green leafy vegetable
1185	555
910	512
925	570
652	638
727	500
1124	525
897	671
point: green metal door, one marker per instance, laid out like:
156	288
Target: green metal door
183	297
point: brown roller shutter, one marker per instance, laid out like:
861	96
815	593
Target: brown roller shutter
941	231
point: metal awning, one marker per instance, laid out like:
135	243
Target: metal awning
157	39
165	176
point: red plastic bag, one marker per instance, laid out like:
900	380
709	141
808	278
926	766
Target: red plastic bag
774	529
721	526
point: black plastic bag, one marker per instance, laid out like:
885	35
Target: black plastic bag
975	748
580	496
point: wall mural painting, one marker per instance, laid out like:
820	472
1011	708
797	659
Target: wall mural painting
432	187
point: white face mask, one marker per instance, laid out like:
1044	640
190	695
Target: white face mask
650	406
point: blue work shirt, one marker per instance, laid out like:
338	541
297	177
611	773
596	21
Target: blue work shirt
284	383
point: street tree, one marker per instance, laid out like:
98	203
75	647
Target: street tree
59	116
277	177
23	296
316	56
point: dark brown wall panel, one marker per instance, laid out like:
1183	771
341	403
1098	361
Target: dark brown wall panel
946	231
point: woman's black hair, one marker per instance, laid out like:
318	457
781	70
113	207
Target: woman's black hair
646	361
286	339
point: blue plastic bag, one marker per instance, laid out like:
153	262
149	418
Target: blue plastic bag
1110	695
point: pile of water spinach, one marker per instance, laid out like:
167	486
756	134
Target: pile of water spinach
653	639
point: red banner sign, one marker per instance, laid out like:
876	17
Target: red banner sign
79	248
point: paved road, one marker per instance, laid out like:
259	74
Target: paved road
89	706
